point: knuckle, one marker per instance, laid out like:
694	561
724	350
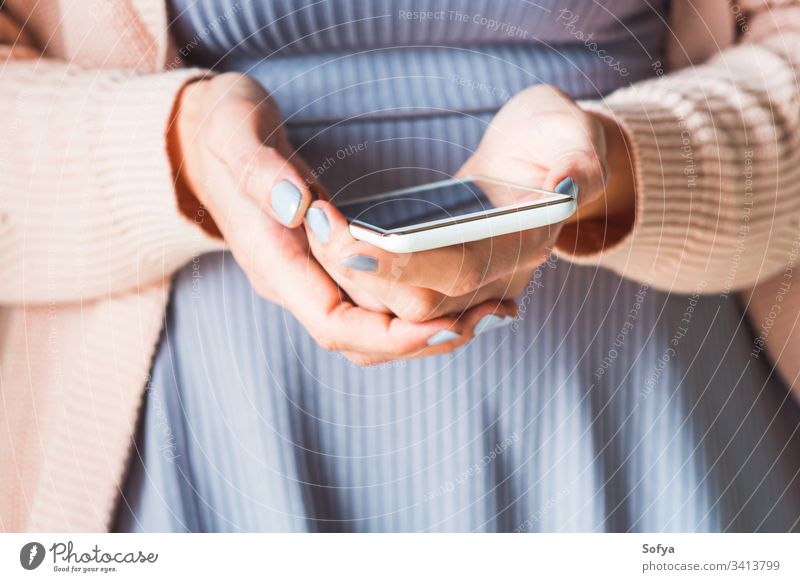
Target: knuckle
468	281
408	311
398	264
473	272
327	342
418	308
247	165
400	346
576	158
244	167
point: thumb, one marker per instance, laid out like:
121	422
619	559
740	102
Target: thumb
272	182
262	172
578	174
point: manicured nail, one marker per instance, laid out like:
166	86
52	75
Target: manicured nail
490	322
285	199
567	186
360	263
318	223
442	337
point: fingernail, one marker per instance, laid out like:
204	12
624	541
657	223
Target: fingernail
285	199
490	322
360	263
567	186
318	223
442	337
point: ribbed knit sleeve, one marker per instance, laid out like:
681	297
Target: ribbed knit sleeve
716	150
87	203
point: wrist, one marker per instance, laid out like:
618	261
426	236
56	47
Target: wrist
188	109
618	203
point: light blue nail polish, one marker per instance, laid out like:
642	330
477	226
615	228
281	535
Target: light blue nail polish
442	337
285	199
490	322
319	224
567	186
360	263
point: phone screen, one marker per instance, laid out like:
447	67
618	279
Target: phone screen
445	201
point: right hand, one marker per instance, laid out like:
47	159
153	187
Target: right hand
230	147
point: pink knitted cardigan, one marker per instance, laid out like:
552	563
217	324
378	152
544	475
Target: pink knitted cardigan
90	231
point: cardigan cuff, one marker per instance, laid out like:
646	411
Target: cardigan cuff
688	222
132	161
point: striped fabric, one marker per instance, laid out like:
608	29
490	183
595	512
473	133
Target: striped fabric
607	406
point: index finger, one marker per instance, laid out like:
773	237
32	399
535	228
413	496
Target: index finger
453	271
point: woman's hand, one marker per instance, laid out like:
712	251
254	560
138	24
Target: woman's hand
541	139
232	156
389	282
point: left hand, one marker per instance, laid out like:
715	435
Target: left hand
541	138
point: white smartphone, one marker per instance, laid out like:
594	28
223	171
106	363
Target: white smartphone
451	212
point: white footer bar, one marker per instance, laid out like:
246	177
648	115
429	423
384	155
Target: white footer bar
401	557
